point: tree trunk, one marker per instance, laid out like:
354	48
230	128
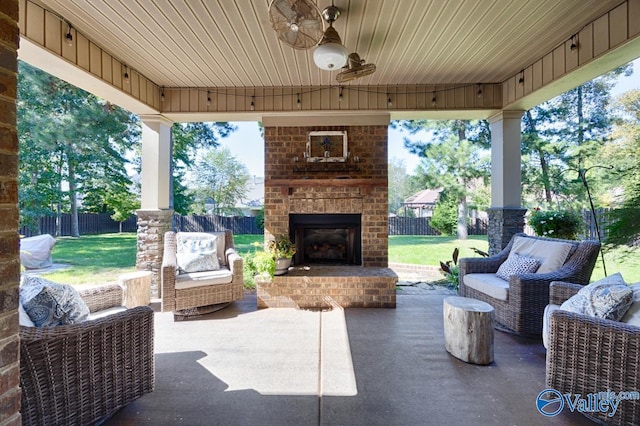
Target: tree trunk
544	166
73	197
462	218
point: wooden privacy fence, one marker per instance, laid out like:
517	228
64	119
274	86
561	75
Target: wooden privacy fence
422	226
93	223
88	223
210	223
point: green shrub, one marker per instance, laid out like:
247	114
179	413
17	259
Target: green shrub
445	217
564	224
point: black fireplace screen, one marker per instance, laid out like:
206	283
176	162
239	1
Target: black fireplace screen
326	238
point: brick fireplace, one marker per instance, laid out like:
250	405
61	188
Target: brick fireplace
335	210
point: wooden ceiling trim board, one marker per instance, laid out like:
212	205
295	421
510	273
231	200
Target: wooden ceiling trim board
263	49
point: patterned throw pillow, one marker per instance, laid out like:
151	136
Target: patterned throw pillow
49	303
608	298
197	253
516	264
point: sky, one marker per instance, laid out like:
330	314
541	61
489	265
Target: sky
247	145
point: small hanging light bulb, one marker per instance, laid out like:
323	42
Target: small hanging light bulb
574	45
521	79
126	74
253	105
479	93
433	99
340	95
162	95
298	103
208	98
69	36
389	103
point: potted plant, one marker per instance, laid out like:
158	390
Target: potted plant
282	250
264	265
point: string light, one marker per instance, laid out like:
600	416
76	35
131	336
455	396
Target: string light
126	74
389	103
433	99
253	105
298	103
340	95
208	98
521	79
574	45
162	95
479	93
69	36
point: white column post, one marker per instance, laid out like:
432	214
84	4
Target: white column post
506	215
156	209
156	162
506	174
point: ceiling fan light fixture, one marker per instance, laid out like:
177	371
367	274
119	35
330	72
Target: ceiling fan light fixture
330	53
330	56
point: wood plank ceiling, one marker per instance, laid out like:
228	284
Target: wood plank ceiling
230	43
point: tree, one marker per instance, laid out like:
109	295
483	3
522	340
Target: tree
68	138
219	176
188	139
452	159
564	135
401	186
623	152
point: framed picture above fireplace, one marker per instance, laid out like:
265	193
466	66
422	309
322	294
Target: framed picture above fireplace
327	147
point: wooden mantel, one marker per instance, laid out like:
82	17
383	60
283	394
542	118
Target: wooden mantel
287	184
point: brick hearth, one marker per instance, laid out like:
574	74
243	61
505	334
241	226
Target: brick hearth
351	188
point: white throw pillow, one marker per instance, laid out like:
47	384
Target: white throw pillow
196	252
551	254
608	298
515	265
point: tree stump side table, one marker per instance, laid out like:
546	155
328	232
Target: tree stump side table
468	329
136	287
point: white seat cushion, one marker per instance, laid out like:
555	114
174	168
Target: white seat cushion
632	317
106	312
545	323
199	279
551	254
489	284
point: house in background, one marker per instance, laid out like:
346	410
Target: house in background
422	203
253	201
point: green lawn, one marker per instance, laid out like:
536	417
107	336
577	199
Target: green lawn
101	258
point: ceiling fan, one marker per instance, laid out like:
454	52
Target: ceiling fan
355	68
297	22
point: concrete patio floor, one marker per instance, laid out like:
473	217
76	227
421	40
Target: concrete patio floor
243	366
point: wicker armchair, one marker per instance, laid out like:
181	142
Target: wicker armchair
81	373
528	294
589	355
181	294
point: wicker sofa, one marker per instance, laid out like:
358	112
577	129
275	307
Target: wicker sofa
589	355
521	311
80	373
186	293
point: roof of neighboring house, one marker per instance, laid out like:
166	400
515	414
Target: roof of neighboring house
424	197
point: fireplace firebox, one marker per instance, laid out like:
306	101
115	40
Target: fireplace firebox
327	238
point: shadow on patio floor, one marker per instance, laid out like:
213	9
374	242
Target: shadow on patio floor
242	366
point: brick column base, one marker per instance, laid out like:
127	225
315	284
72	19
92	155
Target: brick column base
503	224
152	224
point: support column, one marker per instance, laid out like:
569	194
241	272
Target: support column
154	216
506	215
